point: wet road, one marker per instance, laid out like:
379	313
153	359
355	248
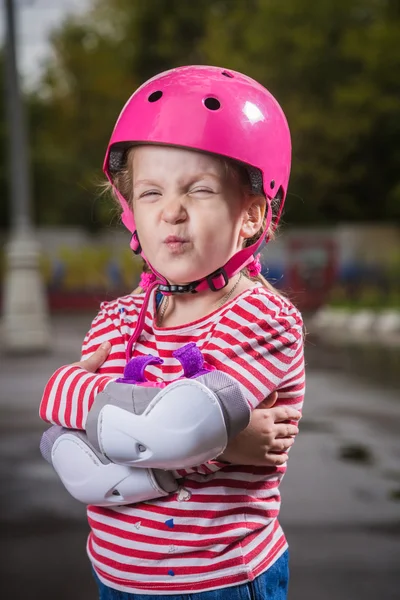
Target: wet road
341	496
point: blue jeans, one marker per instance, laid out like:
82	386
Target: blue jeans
271	585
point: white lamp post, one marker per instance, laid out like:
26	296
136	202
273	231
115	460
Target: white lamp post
25	326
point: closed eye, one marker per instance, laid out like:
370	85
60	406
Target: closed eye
149	193
202	191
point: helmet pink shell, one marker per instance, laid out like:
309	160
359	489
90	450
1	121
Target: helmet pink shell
209	109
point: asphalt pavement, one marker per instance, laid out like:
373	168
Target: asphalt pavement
340	497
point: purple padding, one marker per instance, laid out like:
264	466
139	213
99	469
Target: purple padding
191	359
189	356
135	368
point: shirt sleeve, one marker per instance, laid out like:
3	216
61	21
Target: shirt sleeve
71	390
258	342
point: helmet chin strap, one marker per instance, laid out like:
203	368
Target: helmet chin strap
215	281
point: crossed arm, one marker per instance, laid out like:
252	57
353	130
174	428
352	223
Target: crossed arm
264	442
68	399
91	478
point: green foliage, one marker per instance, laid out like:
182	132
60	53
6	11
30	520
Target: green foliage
334	66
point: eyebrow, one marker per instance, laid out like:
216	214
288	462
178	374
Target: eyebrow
205	174
144	182
196	177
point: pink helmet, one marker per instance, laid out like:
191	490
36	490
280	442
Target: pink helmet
214	110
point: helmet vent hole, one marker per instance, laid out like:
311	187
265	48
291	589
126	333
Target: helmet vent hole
227	74
155	96
272	184
212	103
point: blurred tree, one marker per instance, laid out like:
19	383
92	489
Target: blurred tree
73	110
335	67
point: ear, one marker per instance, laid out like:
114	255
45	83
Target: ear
253	216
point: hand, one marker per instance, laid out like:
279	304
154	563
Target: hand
267	438
95	361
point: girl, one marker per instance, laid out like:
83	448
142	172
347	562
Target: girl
199	160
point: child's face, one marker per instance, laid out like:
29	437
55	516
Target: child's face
190	221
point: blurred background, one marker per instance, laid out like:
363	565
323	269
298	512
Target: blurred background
335	68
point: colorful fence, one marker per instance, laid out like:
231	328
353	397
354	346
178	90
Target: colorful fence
343	267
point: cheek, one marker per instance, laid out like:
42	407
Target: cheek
229	221
143	218
220	234
145	229
226	213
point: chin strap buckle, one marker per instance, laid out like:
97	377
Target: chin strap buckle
217	278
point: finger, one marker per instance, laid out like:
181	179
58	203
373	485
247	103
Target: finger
275	460
94	362
284	413
269	400
281	445
285	431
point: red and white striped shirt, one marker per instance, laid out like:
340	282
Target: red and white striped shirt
220	529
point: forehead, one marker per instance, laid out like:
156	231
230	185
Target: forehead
163	159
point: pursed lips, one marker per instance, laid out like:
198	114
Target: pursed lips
175	243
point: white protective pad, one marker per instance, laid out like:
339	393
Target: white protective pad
183	426
91	481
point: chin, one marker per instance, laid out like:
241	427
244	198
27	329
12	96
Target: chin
183	276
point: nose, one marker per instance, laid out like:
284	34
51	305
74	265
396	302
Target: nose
174	211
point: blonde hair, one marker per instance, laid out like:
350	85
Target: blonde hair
234	173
